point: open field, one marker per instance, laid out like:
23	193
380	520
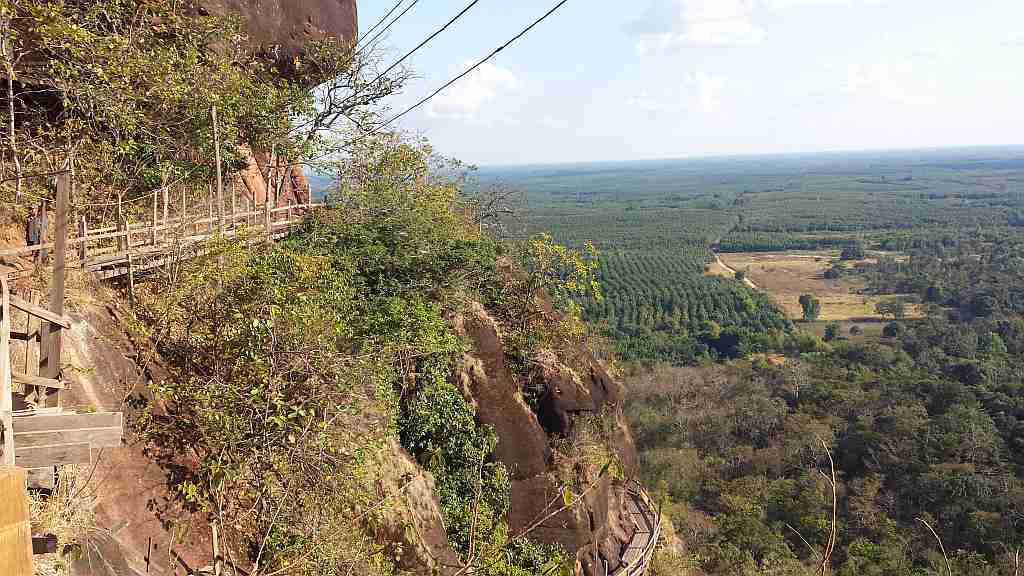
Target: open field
658	224
719	268
784	276
868	330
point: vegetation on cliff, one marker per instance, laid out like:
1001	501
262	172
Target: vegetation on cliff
296	363
311	412
924	426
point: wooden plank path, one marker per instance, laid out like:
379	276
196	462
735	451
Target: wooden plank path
637	555
121	250
44	435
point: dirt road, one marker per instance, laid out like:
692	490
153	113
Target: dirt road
749	282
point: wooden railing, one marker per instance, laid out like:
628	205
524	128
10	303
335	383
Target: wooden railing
44	434
640	552
112	251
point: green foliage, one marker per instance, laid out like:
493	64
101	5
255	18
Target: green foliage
853	251
811	307
297	362
439	428
657	306
924	425
125	90
895	308
831	331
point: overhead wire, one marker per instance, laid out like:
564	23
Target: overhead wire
388	27
424	43
467	72
379	22
358	90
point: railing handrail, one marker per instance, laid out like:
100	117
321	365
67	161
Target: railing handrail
107	233
639	566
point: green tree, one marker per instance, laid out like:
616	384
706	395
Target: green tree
853	251
831	331
811	307
895	308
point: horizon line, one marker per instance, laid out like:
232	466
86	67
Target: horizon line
750	155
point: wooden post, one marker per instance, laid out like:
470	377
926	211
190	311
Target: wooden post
60	237
32	329
216	551
266	219
152	232
120	219
83	244
166	229
209	208
6	384
15	527
131	271
220	178
181	217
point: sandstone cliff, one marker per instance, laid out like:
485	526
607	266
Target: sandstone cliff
571	396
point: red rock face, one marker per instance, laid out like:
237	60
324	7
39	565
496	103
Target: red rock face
596	532
282	28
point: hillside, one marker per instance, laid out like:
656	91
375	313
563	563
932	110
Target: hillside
878	430
388	390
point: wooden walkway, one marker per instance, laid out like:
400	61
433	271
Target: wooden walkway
37	433
636	557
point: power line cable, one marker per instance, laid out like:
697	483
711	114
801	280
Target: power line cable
467	72
390	24
425	42
379	22
409	53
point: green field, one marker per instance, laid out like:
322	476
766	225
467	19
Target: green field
659	221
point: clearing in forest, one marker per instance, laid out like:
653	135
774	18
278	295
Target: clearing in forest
784	276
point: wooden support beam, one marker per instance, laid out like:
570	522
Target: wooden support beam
32	352
52	336
68	421
6	384
152	229
37	381
15	525
220	177
40	312
95	437
83	239
131	272
166	208
42	456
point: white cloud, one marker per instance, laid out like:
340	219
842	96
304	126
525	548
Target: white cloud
549	121
669	24
782	4
893	81
464	99
705	91
645	102
673	23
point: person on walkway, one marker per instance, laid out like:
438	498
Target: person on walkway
32	227
37	228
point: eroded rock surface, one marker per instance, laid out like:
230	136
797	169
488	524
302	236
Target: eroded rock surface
595	532
282	28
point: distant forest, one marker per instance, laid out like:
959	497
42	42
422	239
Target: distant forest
742	415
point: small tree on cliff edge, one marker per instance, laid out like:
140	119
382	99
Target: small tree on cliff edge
811	307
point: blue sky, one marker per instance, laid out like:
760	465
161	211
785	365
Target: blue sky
604	80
